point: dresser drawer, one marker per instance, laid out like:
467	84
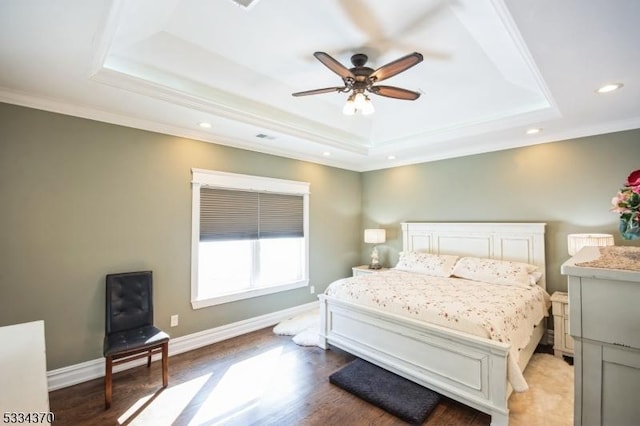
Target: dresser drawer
609	312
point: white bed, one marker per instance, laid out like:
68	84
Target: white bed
464	367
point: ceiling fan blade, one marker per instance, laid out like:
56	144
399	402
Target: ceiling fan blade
395	92
363	19
319	91
334	65
396	67
421	19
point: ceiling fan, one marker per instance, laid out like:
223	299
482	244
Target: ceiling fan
361	78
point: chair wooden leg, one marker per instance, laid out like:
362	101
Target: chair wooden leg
149	359
107	382
165	365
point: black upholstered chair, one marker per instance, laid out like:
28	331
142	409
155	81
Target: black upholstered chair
129	330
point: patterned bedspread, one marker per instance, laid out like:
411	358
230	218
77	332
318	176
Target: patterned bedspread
503	313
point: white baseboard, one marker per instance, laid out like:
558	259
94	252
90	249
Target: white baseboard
78	373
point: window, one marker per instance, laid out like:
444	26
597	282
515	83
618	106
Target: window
249	236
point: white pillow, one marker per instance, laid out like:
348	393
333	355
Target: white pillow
493	271
437	265
534	277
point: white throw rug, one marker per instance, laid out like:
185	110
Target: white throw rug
549	400
304	328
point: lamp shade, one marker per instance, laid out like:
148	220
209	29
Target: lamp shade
374	236
576	241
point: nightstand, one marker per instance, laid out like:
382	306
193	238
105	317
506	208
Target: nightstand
562	341
364	269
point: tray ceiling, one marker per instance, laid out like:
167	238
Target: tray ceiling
491	70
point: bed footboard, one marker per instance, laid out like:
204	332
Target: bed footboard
466	368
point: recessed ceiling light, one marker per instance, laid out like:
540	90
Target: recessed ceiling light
533	130
205	125
609	88
326	153
391	157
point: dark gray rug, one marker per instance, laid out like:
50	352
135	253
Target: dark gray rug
394	394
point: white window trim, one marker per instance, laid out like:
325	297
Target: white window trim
224	180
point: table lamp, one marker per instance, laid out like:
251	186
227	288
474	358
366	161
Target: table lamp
374	236
576	241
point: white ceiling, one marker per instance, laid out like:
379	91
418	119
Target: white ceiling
491	70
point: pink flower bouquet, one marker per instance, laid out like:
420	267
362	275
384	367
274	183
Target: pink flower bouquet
627	204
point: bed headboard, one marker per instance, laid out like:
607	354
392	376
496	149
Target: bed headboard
518	242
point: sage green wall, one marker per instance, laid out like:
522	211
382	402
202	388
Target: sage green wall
80	199
569	185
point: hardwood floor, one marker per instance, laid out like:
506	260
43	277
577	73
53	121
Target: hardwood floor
255	379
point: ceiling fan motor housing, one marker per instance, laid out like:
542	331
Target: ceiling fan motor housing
359	59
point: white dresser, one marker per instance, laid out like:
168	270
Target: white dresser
604	307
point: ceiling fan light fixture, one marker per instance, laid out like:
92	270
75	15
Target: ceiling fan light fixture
349	107
367	108
358	102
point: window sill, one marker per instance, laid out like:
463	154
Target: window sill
219	300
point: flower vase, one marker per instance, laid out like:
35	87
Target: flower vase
630	229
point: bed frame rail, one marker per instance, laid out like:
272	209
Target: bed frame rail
466	368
